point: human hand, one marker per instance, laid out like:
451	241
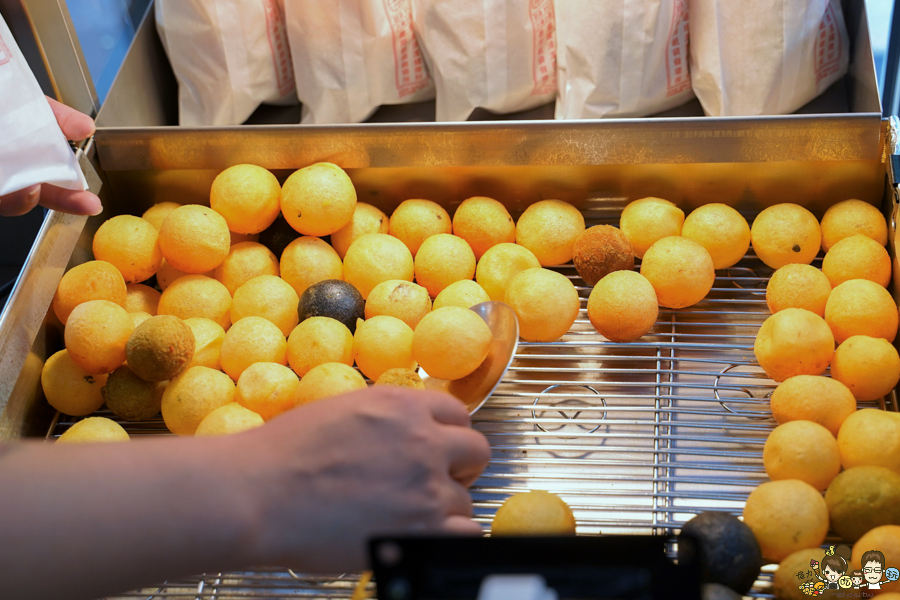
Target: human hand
76	126
335	473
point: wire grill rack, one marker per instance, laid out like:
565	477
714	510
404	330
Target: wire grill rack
636	437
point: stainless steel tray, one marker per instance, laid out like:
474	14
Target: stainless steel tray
636	437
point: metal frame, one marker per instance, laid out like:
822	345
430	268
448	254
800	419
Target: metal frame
636	437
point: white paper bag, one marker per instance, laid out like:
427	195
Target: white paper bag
765	57
33	149
621	58
499	55
229	56
352	56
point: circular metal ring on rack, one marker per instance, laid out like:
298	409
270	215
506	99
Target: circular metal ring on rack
563	414
755	415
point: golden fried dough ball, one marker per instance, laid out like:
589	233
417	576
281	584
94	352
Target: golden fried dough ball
318	200
319	340
141	298
245	261
194	239
483	222
623	306
441	260
197	296
821	400
401	378
798	286
269	297
785	234
308	260
869	366
405	300
251	340
451	342
247	196
208	338
131	244
721	230
69	388
93	280
327	380
96	335
500	264
228	419
157	213
857	257
549	229
546	304
786	516
366	219
533	513
648	220
465	294
193	395
680	270
414	221
870	437
374	258
861	307
802	450
167	274
94	429
383	343
266	388
793	342
851	217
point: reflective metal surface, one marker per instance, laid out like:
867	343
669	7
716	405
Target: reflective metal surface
474	389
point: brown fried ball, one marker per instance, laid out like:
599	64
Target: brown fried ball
601	250
131	398
160	348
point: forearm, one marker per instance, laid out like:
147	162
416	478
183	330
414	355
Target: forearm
82	521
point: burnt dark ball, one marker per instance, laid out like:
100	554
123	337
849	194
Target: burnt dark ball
335	299
729	552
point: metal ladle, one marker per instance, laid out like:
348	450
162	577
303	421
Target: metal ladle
474	389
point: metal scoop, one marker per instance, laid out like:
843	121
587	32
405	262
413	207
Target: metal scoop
474	389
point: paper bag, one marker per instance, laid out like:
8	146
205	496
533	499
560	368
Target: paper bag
33	149
499	55
765	58
229	56
352	56
621	58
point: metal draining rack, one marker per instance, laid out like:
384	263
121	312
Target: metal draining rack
636	437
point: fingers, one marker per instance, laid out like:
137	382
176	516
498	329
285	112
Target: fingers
446	409
75	125
468	453
70	201
18	203
456	499
462	526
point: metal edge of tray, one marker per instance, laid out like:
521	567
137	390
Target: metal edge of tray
523	143
27	307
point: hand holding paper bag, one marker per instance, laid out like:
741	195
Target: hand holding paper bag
36	163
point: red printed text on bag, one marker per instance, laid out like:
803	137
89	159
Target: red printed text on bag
678	77
543	25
